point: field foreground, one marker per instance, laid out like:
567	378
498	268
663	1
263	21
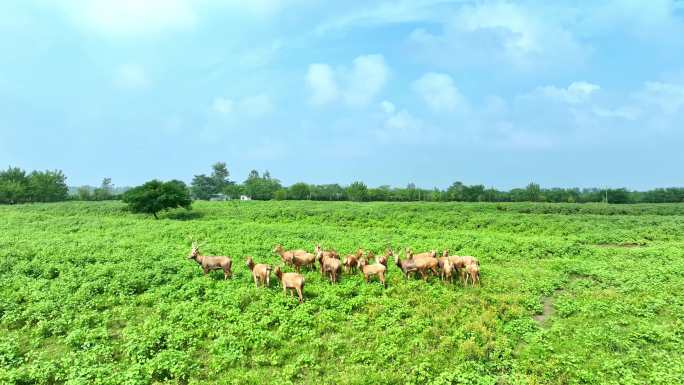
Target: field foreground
571	294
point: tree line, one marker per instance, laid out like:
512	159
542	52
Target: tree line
265	187
19	186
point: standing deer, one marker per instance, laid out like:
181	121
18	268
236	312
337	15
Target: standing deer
351	261
261	272
292	281
210	263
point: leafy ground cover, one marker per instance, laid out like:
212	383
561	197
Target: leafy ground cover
571	294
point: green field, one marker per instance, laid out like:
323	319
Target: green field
571	294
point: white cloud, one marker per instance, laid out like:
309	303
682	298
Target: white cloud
668	97
390	12
121	18
576	93
320	79
131	76
143	18
438	91
398	123
625	112
367	77
498	33
387	107
357	86
402	120
222	105
255	106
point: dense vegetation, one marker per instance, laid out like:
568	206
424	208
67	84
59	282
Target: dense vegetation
155	196
92	294
16	186
265	187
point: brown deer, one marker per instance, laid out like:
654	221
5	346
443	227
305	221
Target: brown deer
301	260
210	263
261	272
374	269
292	281
329	266
427	254
287	255
424	264
407	266
447	271
327	253
351	261
472	274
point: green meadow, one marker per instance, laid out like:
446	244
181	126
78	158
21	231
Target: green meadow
570	294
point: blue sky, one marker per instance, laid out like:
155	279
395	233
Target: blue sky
576	93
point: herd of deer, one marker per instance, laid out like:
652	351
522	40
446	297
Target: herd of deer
466	268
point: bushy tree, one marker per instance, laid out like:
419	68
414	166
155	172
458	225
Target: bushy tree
84	193
203	187
298	191
13	186
155	196
261	187
47	186
104	192
357	191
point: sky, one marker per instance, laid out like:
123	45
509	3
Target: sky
500	93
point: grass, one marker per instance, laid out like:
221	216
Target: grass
92	294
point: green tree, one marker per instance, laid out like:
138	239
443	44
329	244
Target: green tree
357	191
202	187
298	191
280	195
104	192
13	186
261	187
220	176
84	193
155	196
47	186
533	192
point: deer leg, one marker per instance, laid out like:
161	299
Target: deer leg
299	293
255	280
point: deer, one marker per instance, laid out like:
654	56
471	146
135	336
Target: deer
374	269
472	273
447	271
351	261
306	259
329	266
287	255
292	281
459	263
383	258
210	263
424	264
407	266
427	254
261	272
327	253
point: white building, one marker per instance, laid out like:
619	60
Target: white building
245	198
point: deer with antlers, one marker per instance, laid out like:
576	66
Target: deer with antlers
209	263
